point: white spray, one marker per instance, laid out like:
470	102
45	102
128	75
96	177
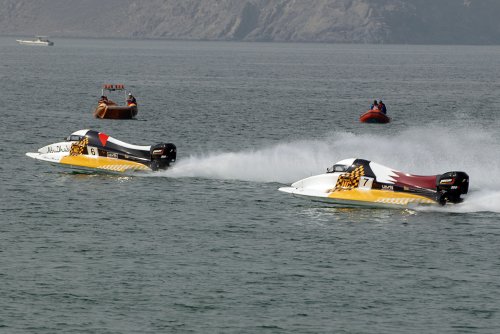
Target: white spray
421	151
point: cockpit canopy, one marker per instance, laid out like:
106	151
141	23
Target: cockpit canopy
75	138
337	168
341	166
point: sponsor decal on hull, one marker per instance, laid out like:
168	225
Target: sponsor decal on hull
57	148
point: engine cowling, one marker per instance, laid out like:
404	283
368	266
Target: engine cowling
450	187
162	155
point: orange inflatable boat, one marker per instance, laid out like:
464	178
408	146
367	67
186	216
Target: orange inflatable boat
374	116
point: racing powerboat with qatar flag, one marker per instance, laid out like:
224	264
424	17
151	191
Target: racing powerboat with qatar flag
363	183
96	151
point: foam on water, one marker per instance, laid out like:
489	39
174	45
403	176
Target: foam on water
421	151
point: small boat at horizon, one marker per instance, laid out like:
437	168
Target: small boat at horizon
39	40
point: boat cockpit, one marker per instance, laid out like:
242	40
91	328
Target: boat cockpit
74	138
337	169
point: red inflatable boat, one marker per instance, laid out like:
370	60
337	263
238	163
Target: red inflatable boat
374	116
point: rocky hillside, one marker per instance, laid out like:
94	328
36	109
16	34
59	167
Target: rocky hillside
347	21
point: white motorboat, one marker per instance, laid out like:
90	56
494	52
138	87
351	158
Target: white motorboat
39	40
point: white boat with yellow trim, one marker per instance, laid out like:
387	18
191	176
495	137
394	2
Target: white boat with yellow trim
359	182
93	150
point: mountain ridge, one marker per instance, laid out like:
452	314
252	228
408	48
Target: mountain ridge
328	21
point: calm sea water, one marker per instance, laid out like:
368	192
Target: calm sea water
211	246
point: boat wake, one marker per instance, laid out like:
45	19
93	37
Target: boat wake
421	151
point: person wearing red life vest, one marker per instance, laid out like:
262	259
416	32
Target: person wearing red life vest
131	99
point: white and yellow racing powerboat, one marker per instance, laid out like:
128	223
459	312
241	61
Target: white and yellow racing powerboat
358	182
93	150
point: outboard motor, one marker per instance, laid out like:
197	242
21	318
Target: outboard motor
162	156
450	186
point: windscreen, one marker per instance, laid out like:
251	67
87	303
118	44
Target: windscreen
337	169
74	138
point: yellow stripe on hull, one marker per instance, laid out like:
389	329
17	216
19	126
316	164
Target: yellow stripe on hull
380	196
109	164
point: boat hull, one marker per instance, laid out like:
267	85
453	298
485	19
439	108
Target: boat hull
374	116
90	163
115	112
39	43
362	198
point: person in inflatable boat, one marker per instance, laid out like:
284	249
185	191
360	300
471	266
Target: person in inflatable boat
382	107
131	99
103	99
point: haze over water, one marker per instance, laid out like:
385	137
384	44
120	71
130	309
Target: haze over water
211	245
